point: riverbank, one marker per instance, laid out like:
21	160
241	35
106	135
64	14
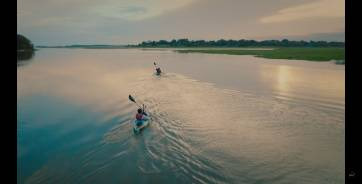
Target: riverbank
335	54
309	54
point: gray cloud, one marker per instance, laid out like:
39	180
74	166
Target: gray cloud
120	22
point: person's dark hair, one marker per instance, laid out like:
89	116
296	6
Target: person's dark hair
139	110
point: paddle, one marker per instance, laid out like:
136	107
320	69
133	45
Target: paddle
155	65
134	100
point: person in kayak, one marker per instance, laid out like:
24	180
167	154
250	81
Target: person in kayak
158	69
141	116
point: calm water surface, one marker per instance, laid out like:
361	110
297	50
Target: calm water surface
215	118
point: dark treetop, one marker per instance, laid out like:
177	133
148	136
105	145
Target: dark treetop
25	49
238	43
24	43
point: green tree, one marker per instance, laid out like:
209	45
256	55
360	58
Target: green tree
24	43
239	43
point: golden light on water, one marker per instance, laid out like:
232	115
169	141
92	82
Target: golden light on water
295	81
279	77
284	76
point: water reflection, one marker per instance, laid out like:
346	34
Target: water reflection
294	82
73	119
283	78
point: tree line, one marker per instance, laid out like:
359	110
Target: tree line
238	43
24	44
25	48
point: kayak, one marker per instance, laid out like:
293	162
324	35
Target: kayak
139	125
157	73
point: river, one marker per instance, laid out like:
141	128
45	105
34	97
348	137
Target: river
214	118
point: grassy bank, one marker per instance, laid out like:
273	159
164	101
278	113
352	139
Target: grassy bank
310	54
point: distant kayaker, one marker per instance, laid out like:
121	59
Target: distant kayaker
158	69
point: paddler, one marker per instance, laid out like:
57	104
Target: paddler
158	69
141	116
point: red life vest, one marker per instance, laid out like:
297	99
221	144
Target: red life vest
139	116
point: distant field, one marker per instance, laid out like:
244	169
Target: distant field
310	54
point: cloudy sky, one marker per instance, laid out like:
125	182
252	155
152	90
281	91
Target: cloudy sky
61	22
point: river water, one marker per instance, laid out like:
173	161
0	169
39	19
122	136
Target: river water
214	118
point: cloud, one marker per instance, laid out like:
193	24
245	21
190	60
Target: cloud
332	36
59	22
318	9
139	9
87	10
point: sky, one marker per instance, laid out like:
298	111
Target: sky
64	22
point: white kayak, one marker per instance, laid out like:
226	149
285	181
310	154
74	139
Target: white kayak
139	125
